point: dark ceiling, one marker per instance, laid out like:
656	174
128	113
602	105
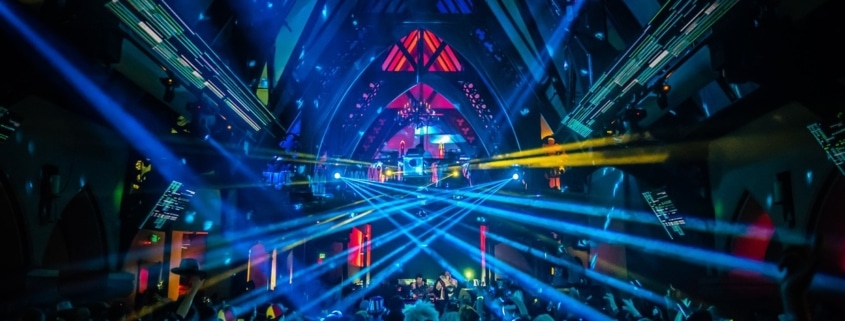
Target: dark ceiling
312	61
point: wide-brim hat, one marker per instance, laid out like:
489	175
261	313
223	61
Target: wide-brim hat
226	313
189	267
275	311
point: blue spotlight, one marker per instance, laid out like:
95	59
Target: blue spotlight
190	217
336	175
515	171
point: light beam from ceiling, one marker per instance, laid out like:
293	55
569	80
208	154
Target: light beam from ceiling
676	28
194	62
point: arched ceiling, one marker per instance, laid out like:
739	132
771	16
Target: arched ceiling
372	44
419	57
578	65
548	60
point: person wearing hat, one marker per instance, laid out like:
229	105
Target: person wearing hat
226	313
189	268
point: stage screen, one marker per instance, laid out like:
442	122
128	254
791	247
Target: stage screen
173	204
666	212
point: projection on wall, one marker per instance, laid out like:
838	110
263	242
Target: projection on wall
666	212
831	136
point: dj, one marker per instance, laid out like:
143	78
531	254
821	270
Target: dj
446	288
420	290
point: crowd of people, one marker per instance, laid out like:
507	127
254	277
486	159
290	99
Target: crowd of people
443	299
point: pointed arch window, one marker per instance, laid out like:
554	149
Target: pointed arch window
421	50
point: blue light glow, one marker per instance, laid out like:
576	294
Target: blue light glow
809	176
609	218
618	183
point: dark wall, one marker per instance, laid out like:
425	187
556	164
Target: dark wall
52	156
79	153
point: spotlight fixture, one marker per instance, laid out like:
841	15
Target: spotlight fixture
170	83
515	172
336	175
662	89
635	114
614	128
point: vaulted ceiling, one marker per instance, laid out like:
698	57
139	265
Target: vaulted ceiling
326	71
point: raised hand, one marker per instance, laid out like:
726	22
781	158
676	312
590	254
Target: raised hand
628	305
611	302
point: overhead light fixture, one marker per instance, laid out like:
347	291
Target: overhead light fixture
635	114
170	83
516	172
663	42
662	89
182	52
